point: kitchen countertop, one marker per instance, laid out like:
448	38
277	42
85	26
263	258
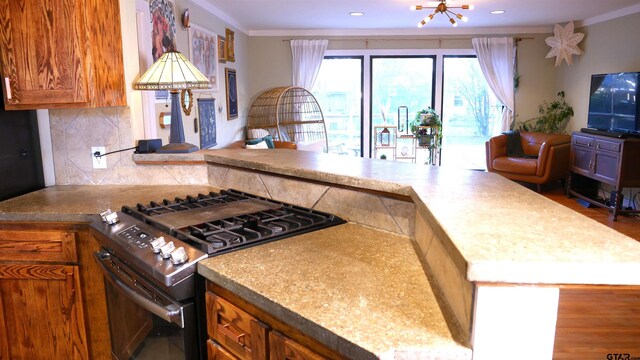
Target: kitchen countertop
82	203
499	230
357	286
372	296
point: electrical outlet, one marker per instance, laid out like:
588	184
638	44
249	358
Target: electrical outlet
98	162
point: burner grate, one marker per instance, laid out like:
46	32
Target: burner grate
191	202
201	220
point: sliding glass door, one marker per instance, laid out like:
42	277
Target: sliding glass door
338	90
400	87
358	93
470	113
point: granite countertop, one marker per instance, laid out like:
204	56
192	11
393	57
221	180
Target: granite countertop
82	203
499	230
362	292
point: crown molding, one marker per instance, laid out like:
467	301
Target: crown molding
610	15
406	32
221	14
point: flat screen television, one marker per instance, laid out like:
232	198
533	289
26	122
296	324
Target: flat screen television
613	106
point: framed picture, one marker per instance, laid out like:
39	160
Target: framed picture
207	122
232	93
163	27
231	55
222	49
203	51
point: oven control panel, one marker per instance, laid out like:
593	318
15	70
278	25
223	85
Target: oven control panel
135	236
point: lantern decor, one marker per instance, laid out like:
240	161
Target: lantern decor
385	137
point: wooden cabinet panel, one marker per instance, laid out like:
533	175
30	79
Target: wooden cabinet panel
41	313
217	352
61	53
283	348
43	52
582	140
606	166
608	145
50	246
581	160
26	251
235	329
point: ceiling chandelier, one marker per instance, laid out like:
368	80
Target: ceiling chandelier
442	8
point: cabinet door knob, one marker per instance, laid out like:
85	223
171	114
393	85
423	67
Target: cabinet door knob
7	85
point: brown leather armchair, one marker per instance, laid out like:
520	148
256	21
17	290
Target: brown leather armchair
552	162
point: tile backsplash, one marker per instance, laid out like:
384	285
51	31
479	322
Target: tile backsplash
75	131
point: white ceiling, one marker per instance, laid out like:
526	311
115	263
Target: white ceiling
331	17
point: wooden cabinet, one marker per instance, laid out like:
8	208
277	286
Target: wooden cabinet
238	330
605	160
234	329
61	53
41	312
281	347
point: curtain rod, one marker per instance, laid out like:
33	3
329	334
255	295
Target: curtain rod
516	39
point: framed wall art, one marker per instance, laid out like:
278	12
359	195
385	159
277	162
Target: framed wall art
203	51
222	49
231	55
163	27
163	34
232	93
207	122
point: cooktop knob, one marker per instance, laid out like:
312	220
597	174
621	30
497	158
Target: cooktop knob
157	243
179	256
166	249
109	217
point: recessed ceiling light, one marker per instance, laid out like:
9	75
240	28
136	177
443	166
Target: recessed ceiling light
356	13
497	12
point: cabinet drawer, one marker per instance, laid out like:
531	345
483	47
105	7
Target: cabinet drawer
608	145
237	331
582	140
49	246
217	352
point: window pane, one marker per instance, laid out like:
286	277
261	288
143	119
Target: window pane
400	85
470	113
400	81
338	90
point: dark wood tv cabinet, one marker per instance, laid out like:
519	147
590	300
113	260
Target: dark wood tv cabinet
597	159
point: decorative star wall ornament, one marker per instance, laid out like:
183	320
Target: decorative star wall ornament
564	43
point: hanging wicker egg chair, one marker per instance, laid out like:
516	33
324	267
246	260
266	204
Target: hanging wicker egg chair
289	114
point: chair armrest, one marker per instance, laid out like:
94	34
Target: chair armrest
497	146
558	143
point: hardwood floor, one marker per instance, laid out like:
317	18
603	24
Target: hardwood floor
626	224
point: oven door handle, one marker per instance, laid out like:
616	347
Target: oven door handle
171	313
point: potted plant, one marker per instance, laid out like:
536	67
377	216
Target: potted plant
553	117
425	117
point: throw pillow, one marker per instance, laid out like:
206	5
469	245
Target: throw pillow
267	139
514	143
259	145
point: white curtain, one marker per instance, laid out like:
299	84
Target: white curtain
497	58
307	58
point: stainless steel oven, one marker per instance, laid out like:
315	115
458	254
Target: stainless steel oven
145	323
149	256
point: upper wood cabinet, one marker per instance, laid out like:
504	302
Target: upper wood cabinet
61	54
